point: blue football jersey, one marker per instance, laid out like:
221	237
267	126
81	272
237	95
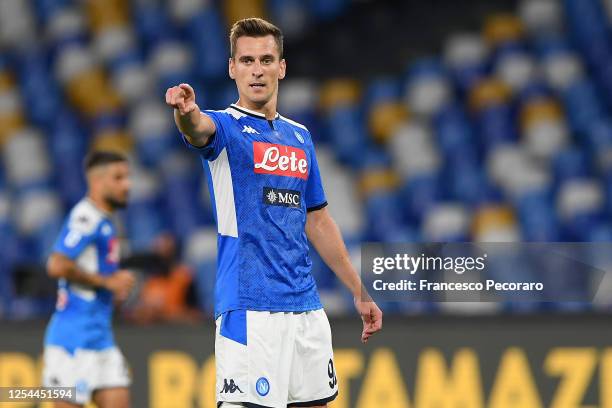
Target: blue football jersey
263	178
82	318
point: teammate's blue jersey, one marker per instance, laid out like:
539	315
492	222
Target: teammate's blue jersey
82	318
263	179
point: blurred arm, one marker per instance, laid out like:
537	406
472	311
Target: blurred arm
62	267
120	283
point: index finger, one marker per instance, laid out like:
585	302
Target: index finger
187	88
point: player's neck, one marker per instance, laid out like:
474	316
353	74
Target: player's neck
268	109
100	204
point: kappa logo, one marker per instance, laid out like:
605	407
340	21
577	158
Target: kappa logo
230	388
248	129
281	197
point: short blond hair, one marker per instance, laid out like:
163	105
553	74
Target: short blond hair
255	27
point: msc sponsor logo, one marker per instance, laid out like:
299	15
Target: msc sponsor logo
283	198
280	160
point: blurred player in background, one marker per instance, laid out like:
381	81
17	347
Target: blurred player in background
273	346
80	350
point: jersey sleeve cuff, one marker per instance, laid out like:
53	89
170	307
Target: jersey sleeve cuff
199	148
317	207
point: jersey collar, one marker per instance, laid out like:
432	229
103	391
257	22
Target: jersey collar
251	112
96	208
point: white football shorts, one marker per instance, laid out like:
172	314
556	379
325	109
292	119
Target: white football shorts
87	370
274	359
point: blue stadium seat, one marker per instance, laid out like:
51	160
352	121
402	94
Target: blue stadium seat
467	182
418	194
293	17
207	35
327	9
570	163
46	9
68	145
598	137
536	214
347	134
152	25
381	89
582	103
200	252
39	90
496	126
383	214
453	131
181	175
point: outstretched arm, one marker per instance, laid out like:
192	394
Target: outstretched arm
196	127
325	235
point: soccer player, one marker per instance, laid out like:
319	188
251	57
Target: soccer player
273	340
79	347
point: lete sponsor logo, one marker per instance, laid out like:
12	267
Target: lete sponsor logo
280	160
113	251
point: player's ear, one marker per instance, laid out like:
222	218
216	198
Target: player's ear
230	67
283	69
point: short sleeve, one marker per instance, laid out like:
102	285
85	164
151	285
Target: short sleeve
218	139
315	195
76	235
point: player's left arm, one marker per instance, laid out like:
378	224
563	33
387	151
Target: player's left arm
325	235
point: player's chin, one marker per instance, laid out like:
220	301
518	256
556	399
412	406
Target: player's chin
260	94
119	203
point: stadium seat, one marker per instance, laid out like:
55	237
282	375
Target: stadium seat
210	51
39	219
466	57
68	146
200	253
144	220
180	175
155	133
581	205
561	66
36	172
516	68
427	87
541	17
413	150
543	127
495	223
292	16
446	222
298	99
